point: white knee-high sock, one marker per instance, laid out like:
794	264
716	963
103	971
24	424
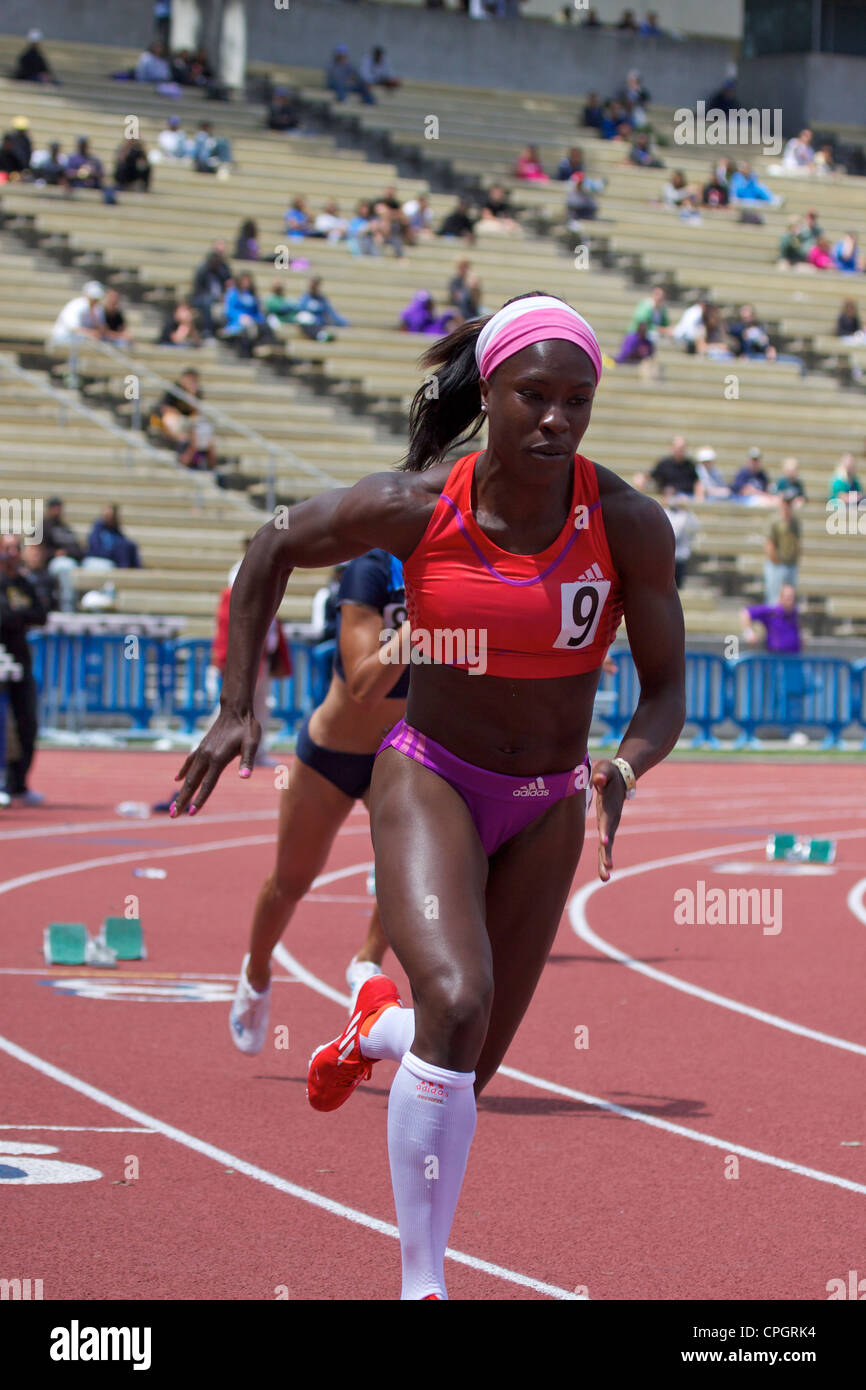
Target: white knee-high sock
431	1121
390	1036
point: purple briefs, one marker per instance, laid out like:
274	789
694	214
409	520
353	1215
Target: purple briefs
500	806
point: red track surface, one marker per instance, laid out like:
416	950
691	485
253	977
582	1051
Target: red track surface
559	1190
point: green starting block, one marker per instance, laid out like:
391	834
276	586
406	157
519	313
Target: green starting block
65	943
124	936
801	849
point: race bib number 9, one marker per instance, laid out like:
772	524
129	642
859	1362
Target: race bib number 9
394	615
582	603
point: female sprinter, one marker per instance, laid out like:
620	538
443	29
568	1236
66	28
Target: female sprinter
476	823
333	764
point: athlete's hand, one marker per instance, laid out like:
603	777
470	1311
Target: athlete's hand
232	734
609	785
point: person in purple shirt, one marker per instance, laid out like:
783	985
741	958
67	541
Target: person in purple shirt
636	346
780	623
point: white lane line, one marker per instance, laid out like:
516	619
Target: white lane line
252	1170
85	1129
581	927
855	901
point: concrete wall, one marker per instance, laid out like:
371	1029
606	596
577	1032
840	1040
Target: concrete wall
819	88
722	19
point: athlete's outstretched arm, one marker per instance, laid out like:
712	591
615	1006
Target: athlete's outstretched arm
642	545
324	530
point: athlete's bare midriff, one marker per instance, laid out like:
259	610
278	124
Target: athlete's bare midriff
345	726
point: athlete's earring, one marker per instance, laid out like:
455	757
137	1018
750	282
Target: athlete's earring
483	405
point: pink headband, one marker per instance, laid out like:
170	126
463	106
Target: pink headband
533	320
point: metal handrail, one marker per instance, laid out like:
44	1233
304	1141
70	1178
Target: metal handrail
209	411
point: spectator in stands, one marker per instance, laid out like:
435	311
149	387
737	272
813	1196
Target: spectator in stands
686	328
715	192
571	164
628	23
820	255
711	335
725	99
714	488
363	234
279	309
679	194
497	213
848	323
685	527
580	205
744	186
633	96
31	64
393	225
330	224
12	166
650	27
153	65
615	123
247	241
826	165
172	141
21	142
637	345
35	568
209	285
458	222
798	156
182	423
751	484
419	217
653	312
210	153
641	153
750	338
83	168
49	165
529	166
676	470
296	220
376	70
284	110
458	283
845	485
782	548
779	620
790	484
846	253
794	244
108	542
57	537
245	318
180	328
114	320
420	316
80	317
593	111
132	167
20	610
341	77
812	229
316	314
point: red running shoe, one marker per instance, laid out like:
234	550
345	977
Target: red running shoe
338	1067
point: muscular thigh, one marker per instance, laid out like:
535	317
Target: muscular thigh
312	810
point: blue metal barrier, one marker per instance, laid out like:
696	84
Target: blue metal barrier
79	675
706	692
792	692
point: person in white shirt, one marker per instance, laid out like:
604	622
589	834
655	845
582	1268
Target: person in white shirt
714	485
172	140
799	156
376	70
80	317
420	215
686	329
329	223
685	526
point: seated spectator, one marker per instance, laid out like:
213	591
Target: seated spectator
790	484
713	485
725	98
593	111
297	221
31	64
812	228
364	235
497	213
579	202
132	166
36	569
653	312
469	304
284	111
685	330
330	224
458	283
685	527
845	486
247	241
107	541
419	216
848	323
676	470
172	141
376	70
245	318
711	336
779	620
633	96
529	166
751	484
570	164
83	169
316	314
80	317
153	65
715	192
798	156
11	163
794	245
279	309
591	21
114	319
846	253
825	165
182	424
628	23
679	194
420	316
750	337
744	186
49	165
58	537
210	153
820	255
341	77
615	123
180	329
209	285
458	222
642	155
650	27
393	226
637	345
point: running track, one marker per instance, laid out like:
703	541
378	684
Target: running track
602	1168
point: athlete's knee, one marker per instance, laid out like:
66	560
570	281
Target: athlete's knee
455	1008
289	884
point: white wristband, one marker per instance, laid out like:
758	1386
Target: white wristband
627	772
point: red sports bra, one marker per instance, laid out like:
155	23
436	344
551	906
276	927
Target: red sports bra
531	616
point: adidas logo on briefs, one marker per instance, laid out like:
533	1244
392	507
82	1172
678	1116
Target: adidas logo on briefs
347	1041
536	788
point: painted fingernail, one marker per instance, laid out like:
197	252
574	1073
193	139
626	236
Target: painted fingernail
246	772
173	810
192	810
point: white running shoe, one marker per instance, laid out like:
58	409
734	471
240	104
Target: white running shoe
28	798
357	971
248	1022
